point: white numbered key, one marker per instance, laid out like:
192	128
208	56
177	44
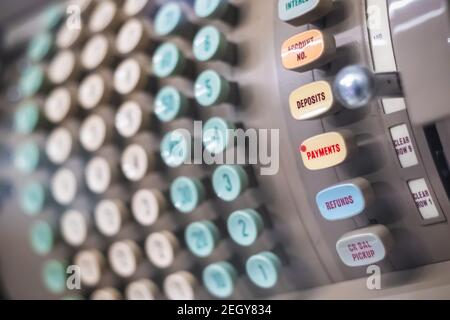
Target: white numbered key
130	75
91	264
131	118
147	205
143	289
137	162
64	186
97	52
133	36
60	103
161	248
95	89
60	144
110	216
124	257
180	286
134	7
69	37
63	67
108	293
96	130
74	227
100	174
106	15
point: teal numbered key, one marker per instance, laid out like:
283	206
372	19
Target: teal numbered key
211	9
211	89
168	61
26	118
33	198
245	226
40	47
170	104
201	238
53	16
263	269
217	135
42	237
176	148
209	44
54	276
219	279
31	81
229	182
186	194
169	19
27	157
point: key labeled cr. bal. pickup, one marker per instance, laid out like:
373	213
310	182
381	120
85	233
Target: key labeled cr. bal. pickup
312	101
300	12
327	150
307	50
364	247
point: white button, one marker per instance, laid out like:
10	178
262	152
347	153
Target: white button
59	104
74	227
404	146
161	248
109	217
96	51
91	263
147	206
134	7
136	162
130	118
423	199
103	17
93	90
106	294
59	145
83	5
364	247
93	133
141	290
131	36
128	76
66	38
62	67
180	286
99	175
392	105
124	258
64	186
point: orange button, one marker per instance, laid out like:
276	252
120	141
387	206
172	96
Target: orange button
327	150
312	101
307	50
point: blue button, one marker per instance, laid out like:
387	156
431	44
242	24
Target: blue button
168	61
186	194
54	276
211	89
169	19
344	200
303	12
32	199
217	135
263	269
176	148
245	226
209	44
31	81
210	8
170	104
229	182
40	47
219	279
52	16
201	238
26	118
42	237
26	157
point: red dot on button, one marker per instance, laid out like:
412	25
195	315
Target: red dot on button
303	148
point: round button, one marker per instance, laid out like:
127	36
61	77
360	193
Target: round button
169	19
147	205
59	145
64	186
63	67
210	8
176	148
91	264
134	7
97	52
136	162
170	104
131	118
94	90
26	118
161	248
245	226
209	44
129	76
180	286
124	258
27	157
110	216
99	175
40	47
219	279
84	6
217	135
59	104
105	16
263	269
31	81
168	61
106	294
133	36
229	182
42	237
211	89
201	238
74	227
54	276
186	194
95	131
33	198
143	289
68	37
